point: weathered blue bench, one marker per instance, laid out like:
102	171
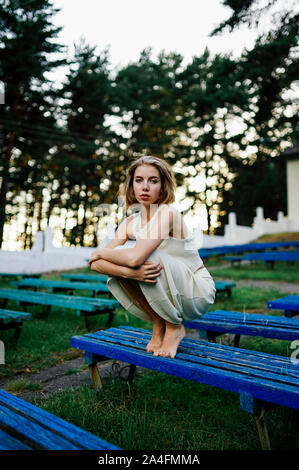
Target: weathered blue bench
234	259
246	247
262	380
224	286
13	319
85	277
238	323
268	257
63	286
85	306
289	303
24	426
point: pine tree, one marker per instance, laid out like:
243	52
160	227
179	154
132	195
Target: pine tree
27	46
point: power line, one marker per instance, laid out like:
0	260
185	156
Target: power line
48	130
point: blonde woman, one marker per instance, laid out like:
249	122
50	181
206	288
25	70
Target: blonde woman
162	277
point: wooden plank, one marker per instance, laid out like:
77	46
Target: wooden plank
247	324
8	442
42	298
7	316
44	430
85	277
19	275
289	302
64	285
212	348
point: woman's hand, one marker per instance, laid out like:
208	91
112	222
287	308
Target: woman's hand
95	255
147	272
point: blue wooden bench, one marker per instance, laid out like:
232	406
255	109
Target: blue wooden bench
85	306
85	277
63	286
246	247
262	380
224	286
24	426
289	303
268	257
234	259
17	275
13	319
238	323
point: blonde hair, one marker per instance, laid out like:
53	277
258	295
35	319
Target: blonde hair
168	183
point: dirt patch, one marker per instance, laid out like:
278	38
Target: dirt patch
286	287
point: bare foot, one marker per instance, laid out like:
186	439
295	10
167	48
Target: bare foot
157	336
172	338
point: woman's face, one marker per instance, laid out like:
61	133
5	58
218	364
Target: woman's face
147	184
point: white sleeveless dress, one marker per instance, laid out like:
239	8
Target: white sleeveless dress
182	291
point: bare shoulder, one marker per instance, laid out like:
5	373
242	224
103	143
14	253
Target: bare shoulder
179	228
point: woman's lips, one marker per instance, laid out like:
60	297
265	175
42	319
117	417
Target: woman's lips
144	196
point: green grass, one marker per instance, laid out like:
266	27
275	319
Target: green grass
257	271
160	412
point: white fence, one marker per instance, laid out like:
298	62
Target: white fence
45	257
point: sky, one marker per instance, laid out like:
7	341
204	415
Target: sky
129	26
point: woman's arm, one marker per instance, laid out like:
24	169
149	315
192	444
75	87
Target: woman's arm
148	272
133	257
106	267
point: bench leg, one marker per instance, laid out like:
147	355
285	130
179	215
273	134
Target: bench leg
211	335
110	319
47	310
87	325
131	373
92	360
95	377
258	408
17	332
237	341
262	428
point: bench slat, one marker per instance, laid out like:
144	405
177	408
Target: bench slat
85	277
41	283
8	316
280	361
44	429
289	302
8	442
222	321
42	298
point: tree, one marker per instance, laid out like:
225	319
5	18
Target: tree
147	99
269	71
26	47
87	160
